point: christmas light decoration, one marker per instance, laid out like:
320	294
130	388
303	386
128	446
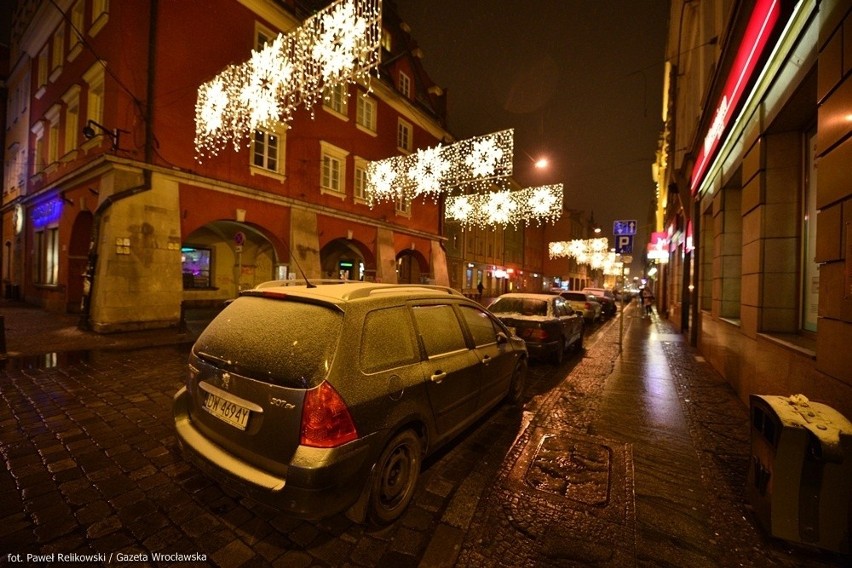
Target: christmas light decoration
476	163
594	252
338	45
502	208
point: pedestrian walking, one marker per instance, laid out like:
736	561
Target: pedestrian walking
647	300
480	288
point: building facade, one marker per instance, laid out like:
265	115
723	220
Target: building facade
106	210
754	196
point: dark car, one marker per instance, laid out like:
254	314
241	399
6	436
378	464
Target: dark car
545	321
323	399
606	298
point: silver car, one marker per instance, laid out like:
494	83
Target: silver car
324	399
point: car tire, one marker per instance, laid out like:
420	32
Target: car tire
394	478
519	379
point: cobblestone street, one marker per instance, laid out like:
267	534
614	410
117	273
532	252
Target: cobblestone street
620	457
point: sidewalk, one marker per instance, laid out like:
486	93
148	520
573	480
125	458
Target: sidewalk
30	330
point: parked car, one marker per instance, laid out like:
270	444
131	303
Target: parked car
546	322
606	298
323	399
585	304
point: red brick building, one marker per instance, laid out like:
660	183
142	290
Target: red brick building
105	208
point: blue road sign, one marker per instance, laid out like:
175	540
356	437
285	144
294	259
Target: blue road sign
624	227
624	244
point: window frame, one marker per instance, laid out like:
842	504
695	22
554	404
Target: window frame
405	84
404	136
279	172
329	155
335	101
365	119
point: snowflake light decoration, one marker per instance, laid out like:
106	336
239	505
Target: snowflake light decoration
504	208
475	163
428	170
337	46
594	252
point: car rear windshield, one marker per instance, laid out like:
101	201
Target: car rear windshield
522	306
288	343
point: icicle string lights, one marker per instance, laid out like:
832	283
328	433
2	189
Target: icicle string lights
504	208
338	45
594	252
473	163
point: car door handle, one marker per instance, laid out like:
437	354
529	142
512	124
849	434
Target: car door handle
486	359
438	377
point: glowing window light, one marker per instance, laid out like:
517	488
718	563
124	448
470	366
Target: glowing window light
338	45
502	208
475	163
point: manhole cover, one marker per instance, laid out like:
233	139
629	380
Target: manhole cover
570	468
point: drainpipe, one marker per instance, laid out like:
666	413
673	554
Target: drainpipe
89	276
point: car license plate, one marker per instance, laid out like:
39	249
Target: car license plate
227	411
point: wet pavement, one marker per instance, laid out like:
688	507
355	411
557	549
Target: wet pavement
622	456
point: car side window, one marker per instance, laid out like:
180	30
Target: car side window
480	324
559	307
439	329
387	341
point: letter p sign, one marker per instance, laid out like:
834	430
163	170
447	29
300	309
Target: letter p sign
624	244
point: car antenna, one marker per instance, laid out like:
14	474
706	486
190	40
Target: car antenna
299	266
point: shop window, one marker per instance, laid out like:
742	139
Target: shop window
196	263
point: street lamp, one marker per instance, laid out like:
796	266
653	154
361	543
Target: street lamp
114	135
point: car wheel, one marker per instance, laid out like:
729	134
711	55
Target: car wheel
519	379
394	478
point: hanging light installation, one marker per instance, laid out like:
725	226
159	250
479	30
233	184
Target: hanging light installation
593	252
475	163
338	45
502	208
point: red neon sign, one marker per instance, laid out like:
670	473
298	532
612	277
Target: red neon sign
763	20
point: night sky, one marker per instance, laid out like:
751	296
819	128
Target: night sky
580	81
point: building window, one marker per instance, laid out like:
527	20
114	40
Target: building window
265	150
100	16
387	40
262	36
53	139
333	172
404	85
72	119
38	147
403	206
366	113
43	72
810	268
58	50
404	139
336	100
94	78
46	268
360	181
75	43
195	264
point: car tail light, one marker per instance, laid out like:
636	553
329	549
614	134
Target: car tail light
588	305
535	334
326	422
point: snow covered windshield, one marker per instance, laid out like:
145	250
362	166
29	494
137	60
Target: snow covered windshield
287	343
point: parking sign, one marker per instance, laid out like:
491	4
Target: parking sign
624	244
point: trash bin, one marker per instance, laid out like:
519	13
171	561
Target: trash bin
800	475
